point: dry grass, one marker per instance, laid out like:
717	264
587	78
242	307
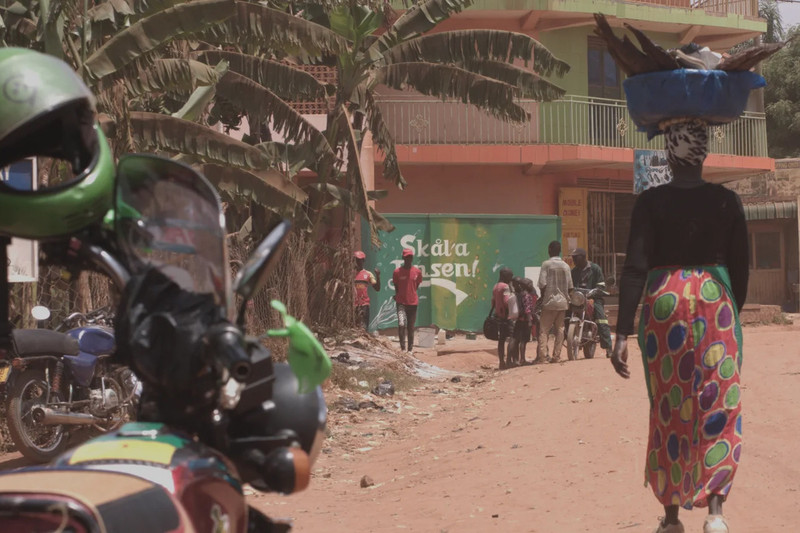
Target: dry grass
348	377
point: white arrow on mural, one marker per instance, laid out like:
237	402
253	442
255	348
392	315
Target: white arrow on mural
447	285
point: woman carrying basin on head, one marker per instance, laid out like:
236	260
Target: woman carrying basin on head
688	253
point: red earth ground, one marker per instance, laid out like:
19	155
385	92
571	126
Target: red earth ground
553	449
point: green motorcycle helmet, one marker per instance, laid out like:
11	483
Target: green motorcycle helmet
46	110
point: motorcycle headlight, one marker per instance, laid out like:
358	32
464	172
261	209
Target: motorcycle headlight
577	299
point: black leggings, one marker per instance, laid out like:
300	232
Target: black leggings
406	318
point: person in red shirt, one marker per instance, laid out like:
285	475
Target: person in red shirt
364	279
407	279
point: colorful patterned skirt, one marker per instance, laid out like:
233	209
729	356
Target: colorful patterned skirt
691	345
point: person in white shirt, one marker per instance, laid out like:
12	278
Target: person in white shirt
555	285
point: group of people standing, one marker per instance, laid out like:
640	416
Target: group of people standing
556	283
513	301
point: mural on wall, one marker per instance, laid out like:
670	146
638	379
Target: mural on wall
650	169
460	258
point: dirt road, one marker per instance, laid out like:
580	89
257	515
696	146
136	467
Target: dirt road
553	449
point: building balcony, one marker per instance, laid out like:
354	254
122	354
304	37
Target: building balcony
718	24
560	136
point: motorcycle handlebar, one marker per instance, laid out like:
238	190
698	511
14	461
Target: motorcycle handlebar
229	350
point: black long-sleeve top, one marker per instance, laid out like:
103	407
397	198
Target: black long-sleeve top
674	227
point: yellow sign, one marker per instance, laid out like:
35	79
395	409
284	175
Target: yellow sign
4	372
123	450
572	208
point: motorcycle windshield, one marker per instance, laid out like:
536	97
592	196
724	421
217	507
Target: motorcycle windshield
169	217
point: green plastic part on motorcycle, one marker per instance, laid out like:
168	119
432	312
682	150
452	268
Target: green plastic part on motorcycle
43	214
307	358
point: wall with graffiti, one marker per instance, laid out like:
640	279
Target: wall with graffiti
460	257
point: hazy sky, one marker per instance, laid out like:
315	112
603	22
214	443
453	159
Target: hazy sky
790	12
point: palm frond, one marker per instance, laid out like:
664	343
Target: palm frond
467	45
284	80
271	29
262	105
447	81
149	33
258	187
530	84
201	97
418	19
154	131
163	75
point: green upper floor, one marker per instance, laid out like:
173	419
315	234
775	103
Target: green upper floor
719	24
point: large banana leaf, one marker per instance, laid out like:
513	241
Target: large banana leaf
149	33
420	18
201	97
109	15
153	131
446	81
468	45
282	79
164	75
274	30
240	183
530	84
292	157
50	27
262	105
279	184
383	139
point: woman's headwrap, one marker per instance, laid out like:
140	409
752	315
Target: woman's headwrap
687	142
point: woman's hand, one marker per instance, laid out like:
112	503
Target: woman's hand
619	358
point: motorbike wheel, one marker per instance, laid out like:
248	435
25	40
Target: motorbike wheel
37	442
573	342
589	349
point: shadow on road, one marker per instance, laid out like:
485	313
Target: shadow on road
13	461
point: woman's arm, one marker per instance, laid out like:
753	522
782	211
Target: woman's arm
738	256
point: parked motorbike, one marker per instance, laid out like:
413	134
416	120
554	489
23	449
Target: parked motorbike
582	333
60	382
216	412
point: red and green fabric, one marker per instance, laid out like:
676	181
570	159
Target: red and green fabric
691	343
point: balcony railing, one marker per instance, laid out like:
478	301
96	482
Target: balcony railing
571	120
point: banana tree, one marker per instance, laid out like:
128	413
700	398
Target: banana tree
475	67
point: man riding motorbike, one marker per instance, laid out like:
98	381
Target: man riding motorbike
588	275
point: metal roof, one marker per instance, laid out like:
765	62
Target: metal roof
770	210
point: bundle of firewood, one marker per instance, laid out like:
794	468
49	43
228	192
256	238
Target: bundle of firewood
653	58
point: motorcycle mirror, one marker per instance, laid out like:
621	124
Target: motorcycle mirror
253	275
40	312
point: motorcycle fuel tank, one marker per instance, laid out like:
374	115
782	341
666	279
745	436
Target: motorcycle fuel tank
202	480
94	340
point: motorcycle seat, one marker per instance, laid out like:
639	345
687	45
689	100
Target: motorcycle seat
30	342
101	501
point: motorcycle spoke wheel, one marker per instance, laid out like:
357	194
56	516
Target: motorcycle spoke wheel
34	440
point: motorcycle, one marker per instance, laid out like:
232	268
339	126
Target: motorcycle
582	333
215	412
59	382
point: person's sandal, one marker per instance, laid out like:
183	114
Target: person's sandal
669	528
715	523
